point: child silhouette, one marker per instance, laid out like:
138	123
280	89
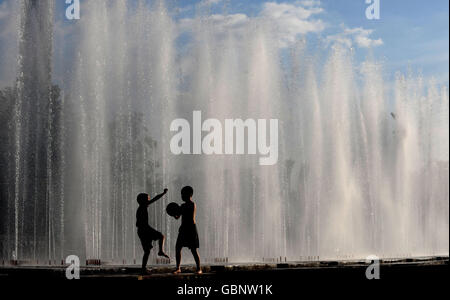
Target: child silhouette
187	234
145	232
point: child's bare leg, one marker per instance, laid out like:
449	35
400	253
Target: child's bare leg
197	259
161	247
178	259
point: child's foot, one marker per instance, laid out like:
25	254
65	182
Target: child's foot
198	272
161	253
145	271
177	271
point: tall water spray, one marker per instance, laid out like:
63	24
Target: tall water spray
362	167
35	202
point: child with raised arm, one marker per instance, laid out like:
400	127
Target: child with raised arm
187	234
145	232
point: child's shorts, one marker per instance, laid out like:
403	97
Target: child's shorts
188	237
147	235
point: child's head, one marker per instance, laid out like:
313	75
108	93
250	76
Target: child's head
186	193
142	199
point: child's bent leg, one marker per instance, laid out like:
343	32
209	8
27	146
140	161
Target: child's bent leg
196	258
161	247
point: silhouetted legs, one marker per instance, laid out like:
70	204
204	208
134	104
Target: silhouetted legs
178	259
147	245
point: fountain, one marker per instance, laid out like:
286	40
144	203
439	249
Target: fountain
362	166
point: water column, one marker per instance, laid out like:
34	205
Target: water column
127	92
163	105
37	207
263	100
120	115
201	98
372	163
92	93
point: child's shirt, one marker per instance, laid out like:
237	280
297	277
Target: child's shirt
142	217
187	213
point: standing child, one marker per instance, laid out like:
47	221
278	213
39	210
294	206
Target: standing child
145	232
187	234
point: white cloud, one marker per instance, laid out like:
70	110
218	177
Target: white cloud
219	23
310	3
355	36
209	2
291	20
287	20
229	21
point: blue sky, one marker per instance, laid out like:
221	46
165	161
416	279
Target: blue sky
409	34
414	33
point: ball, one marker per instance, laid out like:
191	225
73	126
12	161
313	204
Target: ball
173	209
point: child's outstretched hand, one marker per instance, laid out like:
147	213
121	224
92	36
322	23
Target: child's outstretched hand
165	191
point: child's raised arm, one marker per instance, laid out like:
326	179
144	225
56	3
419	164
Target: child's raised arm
157	197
